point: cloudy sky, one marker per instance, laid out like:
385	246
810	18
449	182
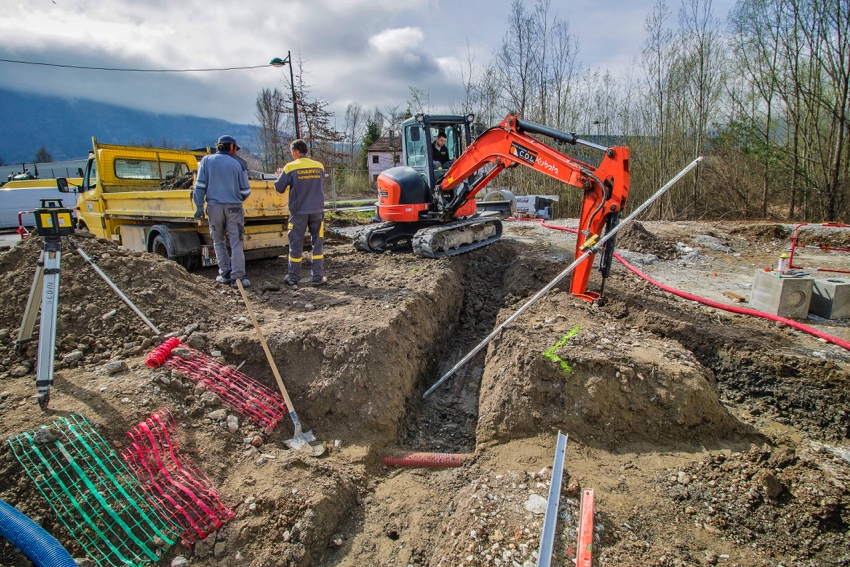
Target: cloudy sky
366	51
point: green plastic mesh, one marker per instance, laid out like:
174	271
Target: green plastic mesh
93	493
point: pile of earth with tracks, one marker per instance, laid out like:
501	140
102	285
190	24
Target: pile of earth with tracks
709	438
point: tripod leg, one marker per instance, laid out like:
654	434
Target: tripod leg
33	305
47	331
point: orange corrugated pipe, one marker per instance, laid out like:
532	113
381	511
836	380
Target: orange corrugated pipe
434	460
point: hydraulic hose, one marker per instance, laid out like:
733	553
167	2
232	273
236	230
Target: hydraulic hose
39	546
732	309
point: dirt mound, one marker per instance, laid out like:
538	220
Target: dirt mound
93	324
827	236
762	231
185	181
636	238
607	383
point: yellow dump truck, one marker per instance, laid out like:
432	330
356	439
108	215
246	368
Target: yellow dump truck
142	199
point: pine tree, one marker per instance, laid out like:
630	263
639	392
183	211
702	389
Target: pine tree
373	133
42	156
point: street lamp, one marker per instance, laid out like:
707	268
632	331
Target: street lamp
278	62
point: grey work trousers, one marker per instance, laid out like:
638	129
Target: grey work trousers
228	219
298	226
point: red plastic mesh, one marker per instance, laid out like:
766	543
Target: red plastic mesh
241	393
183	492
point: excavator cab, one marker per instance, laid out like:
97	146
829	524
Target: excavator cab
419	136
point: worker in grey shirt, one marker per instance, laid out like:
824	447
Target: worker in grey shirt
223	182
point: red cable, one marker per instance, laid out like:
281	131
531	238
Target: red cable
740	310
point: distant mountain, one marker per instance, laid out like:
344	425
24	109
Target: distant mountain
65	127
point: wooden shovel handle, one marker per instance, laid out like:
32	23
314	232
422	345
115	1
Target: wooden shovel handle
265	348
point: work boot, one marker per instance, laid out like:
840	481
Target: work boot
290	283
223	278
245	283
320	282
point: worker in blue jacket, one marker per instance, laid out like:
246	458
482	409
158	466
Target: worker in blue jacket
223	182
305	178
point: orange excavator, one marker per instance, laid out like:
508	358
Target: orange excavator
431	206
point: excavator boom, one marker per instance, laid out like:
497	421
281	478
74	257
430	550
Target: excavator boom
509	143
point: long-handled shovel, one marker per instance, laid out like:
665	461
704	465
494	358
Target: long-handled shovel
302	440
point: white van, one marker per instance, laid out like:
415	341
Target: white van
17	196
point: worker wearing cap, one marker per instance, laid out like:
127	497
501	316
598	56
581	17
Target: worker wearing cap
304	177
223	182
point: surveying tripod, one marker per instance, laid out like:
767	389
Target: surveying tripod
53	222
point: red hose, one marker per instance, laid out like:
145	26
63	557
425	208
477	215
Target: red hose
740	310
411	459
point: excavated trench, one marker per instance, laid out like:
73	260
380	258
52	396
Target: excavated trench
446	421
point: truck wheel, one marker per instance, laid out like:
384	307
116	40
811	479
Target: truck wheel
182	247
160	246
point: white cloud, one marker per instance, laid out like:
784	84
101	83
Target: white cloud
397	41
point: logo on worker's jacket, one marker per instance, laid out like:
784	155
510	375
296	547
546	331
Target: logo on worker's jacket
523	153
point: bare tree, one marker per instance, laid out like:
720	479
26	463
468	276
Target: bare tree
657	67
392	129
565	70
419	101
269	114
516	61
826	37
489	95
703	69
757	47
468	80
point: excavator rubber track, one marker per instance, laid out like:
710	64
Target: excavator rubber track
385	236
456	237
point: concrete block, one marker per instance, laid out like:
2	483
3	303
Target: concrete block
783	296
831	298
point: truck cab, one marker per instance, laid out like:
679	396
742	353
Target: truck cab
141	198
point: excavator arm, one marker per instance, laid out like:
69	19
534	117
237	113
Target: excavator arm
509	144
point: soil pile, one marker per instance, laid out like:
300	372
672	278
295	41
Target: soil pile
93	323
636	238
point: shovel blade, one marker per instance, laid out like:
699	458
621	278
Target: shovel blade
306	441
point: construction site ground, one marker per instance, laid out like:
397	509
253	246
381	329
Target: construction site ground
709	438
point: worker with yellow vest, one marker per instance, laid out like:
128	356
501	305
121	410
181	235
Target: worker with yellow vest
305	179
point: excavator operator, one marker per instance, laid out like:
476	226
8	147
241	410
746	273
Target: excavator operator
439	151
